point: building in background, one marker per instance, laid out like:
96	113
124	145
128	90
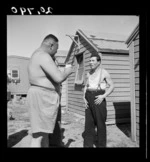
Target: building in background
17	72
115	59
133	44
60	58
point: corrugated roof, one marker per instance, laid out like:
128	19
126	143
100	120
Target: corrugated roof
103	44
106	36
106	40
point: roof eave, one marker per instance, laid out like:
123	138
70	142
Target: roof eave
114	51
67	57
132	35
86	38
79	32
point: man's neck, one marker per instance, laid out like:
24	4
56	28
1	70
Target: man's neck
97	68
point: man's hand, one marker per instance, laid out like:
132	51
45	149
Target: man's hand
99	99
74	68
69	68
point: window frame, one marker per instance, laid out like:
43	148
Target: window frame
81	81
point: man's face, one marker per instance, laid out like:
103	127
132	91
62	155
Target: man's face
94	63
53	48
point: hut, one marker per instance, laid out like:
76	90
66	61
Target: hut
133	44
17	71
115	59
60	58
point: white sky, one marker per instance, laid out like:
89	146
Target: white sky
25	33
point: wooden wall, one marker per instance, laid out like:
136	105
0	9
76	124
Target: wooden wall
136	68
118	103
64	94
63	90
21	64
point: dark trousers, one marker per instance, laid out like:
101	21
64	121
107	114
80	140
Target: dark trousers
55	139
95	117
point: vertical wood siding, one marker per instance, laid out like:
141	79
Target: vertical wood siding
21	64
136	69
118	103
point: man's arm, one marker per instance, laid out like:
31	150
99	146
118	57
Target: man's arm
84	91
109	81
48	65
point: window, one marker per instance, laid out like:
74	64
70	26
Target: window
80	69
15	74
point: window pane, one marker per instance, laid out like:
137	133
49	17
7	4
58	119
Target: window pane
79	76
15	73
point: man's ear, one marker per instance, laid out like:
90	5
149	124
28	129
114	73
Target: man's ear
51	45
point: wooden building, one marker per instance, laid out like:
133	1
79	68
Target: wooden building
115	59
133	44
17	71
60	58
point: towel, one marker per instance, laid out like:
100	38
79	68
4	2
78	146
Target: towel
43	107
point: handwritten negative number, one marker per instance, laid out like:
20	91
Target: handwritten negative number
30	10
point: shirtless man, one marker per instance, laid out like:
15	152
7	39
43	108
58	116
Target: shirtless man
43	94
95	93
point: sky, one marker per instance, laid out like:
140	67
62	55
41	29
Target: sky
25	33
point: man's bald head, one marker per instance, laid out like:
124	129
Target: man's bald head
50	39
50	44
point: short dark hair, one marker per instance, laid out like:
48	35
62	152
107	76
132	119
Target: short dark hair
51	36
95	54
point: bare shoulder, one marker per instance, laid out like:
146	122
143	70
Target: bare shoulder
105	73
44	58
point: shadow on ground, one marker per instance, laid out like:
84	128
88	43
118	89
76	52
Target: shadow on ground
69	140
16	137
56	139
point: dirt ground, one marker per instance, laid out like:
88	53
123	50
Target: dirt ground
72	125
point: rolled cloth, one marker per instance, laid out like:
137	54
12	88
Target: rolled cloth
43	106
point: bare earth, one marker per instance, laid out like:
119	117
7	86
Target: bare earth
19	134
